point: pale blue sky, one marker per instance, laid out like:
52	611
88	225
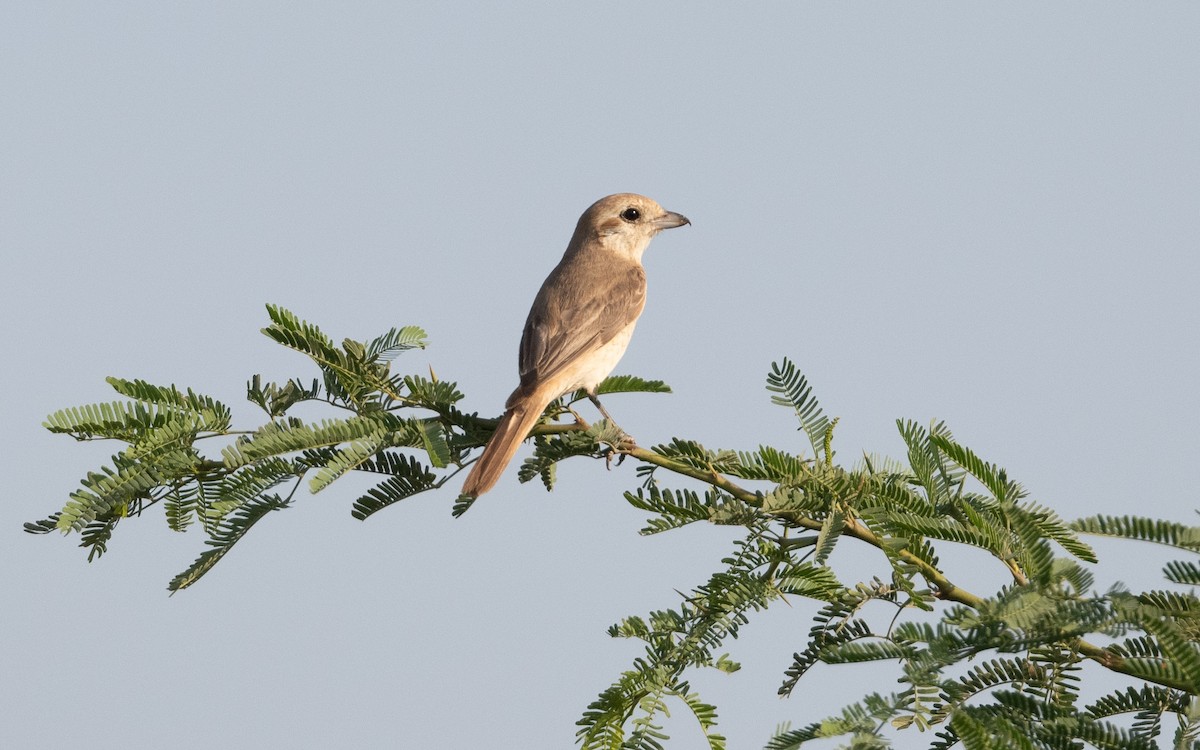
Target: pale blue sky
988	214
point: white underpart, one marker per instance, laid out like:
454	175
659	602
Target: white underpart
592	369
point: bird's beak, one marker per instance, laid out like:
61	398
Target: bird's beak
670	220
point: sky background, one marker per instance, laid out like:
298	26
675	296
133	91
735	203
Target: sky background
987	214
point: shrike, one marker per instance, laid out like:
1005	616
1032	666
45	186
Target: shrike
580	322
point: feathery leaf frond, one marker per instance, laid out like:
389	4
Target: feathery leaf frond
230	531
172	396
1184	572
629	384
786	379
1143	529
989	475
291	436
386	347
408	477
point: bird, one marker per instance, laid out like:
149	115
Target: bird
580	323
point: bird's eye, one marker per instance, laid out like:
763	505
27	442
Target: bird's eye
631	214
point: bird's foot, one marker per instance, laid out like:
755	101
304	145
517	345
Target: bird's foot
609	452
619	449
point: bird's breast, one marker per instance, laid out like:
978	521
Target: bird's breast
590	369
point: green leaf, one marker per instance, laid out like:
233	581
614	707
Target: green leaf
630	384
784	500
787	380
1183	572
172	396
112	490
291	331
386	347
832	627
771	464
548	450
177	434
181	504
44	526
120	420
433	438
855	720
96	535
674	508
1148	703
896	493
692	453
275	400
461	505
240	487
1142	529
974	734
988	675
831	529
347	458
1181	651
1048	524
350	377
706	715
290	436
436	395
810	580
228	533
409	477
988	474
1101	735
939	477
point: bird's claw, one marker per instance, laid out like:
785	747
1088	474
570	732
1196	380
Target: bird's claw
621	449
608	452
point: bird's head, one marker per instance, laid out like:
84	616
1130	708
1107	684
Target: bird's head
625	223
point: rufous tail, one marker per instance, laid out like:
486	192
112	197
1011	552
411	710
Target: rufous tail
514	427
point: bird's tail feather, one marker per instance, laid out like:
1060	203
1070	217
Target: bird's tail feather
514	427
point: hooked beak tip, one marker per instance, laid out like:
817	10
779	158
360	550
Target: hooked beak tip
670	220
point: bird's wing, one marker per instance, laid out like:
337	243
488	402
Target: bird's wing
578	310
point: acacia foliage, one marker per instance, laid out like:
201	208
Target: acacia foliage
995	669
